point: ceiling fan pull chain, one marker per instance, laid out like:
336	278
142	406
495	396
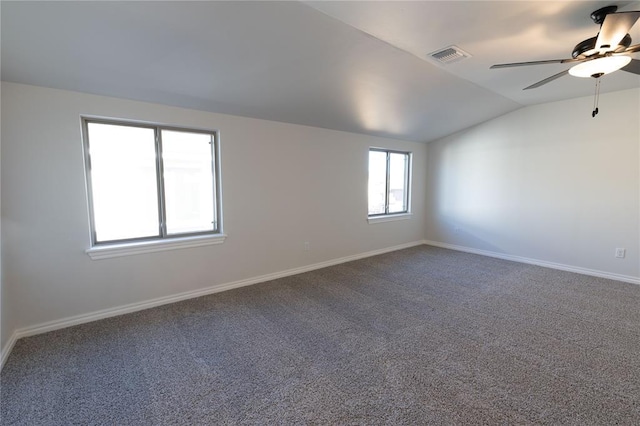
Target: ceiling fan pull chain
596	98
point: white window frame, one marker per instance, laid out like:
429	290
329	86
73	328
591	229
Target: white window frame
162	241
386	216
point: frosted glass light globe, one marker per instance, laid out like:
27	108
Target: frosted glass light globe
599	66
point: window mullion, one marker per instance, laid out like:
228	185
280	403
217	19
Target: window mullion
162	214
388	184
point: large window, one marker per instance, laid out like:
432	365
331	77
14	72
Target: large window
150	182
389	173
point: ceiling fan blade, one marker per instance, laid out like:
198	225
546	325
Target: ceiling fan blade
632	67
614	28
523	64
547	80
632	49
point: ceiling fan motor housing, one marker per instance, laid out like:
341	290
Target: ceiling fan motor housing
599	15
586	48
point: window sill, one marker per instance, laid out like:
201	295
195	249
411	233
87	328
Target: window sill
390	218
130	249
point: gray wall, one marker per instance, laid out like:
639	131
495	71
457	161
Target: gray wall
5	327
282	185
546	182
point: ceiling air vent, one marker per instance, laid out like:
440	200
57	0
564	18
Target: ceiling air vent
449	55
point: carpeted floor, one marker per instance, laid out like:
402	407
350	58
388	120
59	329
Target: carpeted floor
419	336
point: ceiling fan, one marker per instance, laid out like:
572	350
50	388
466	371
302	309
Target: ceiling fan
594	57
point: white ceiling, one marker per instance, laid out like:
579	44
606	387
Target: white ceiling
353	66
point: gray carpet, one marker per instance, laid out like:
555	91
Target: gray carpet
418	336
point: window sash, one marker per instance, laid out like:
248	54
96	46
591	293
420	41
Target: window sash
407	181
174	208
161	196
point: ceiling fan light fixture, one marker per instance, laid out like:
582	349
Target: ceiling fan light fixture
599	66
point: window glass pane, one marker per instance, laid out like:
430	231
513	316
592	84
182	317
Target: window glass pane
398	167
377	181
123	181
188	182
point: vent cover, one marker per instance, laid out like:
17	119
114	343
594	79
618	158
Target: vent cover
449	55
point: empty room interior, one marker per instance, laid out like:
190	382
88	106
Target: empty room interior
320	212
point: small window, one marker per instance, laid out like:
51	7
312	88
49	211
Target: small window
148	182
389	173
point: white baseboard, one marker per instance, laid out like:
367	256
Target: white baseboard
552	265
4	353
133	307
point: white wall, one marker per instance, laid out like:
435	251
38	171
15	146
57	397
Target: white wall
546	182
282	185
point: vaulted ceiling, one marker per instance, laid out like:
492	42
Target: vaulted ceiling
354	66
